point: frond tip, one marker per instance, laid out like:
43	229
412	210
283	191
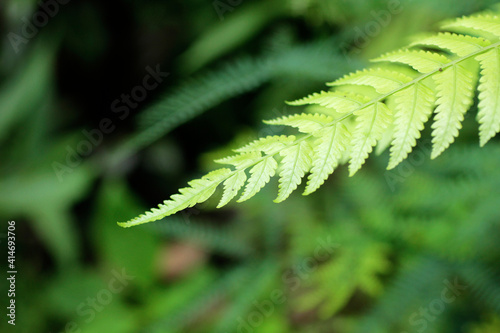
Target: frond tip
200	190
387	103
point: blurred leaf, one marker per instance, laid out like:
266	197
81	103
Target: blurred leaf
419	282
25	91
237	27
243	300
135	251
38	195
355	266
316	61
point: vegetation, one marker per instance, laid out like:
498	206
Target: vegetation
102	118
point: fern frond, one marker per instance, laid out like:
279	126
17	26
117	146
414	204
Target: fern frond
340	101
260	175
455	90
489	95
305	123
331	143
461	45
267	144
422	61
198	95
297	160
241	161
389	103
372	122
356	267
318	61
232	186
382	80
199	191
257	284
486	23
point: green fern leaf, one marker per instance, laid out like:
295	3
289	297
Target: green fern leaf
231	187
297	160
421	61
267	144
455	91
305	123
318	61
461	45
413	108
199	191
489	95
241	161
372	123
331	143
342	102
382	80
260	175
486	23
355	268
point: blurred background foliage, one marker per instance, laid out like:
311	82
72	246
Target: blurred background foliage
411	250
